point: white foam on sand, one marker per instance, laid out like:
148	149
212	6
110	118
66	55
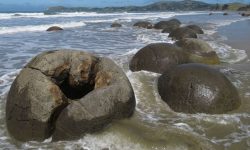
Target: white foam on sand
227	53
220	23
36	28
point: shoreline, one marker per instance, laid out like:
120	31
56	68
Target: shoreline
237	34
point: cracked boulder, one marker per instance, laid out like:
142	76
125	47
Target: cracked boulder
66	94
197	88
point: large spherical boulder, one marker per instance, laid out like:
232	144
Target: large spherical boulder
196	88
143	24
182	33
173	23
54	28
116	25
199	50
55	82
196	29
158	57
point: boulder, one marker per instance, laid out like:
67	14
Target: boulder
199	50
143	24
175	20
54	28
225	14
85	91
245	14
116	25
169	29
173	23
197	88
210	14
17	15
196	29
182	33
158	57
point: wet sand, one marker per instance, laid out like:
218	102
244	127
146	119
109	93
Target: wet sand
238	35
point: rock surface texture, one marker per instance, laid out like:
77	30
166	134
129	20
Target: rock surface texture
143	24
158	57
170	24
196	88
182	33
196	29
199	50
65	94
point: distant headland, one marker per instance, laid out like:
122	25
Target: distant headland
185	5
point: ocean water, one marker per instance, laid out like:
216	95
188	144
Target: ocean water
154	125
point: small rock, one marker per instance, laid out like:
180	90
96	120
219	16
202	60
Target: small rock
54	28
116	25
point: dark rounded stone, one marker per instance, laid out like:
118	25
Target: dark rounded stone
158	57
173	23
66	94
196	29
116	25
225	14
245	14
196	88
169	29
54	28
143	24
182	33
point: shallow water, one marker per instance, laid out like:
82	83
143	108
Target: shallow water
154	125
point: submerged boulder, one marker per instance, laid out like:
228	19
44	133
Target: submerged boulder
54	28
143	24
116	25
199	50
173	23
158	57
196	88
182	33
196	29
66	94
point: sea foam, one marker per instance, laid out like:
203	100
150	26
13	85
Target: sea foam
36	28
